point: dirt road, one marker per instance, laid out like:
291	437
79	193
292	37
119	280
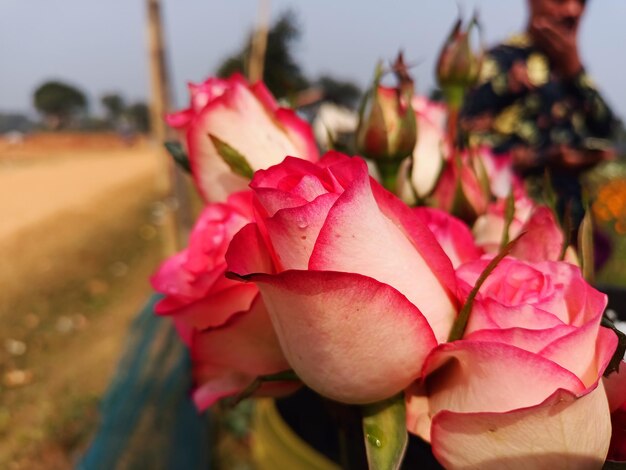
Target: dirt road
79	236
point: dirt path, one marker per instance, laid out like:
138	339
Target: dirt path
79	236
48	207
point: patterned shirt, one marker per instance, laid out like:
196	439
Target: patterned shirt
552	112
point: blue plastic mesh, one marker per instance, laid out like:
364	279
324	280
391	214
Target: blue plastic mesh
148	418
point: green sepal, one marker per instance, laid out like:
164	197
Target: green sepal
284	376
461	207
585	244
235	160
175	149
458	328
483	177
406	138
618	355
384	430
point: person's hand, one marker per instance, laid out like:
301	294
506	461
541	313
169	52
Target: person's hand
579	159
558	40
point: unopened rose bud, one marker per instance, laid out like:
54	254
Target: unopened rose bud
458	65
387	129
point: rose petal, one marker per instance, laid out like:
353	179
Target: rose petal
228	117
543	238
489	314
358	238
523	338
347	336
561	432
452	234
586	351
248	253
294	231
215	309
476	376
227	359
427	156
418	419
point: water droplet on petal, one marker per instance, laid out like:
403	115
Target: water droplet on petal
375	435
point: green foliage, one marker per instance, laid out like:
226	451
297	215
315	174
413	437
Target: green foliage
58	101
282	74
114	105
175	149
139	116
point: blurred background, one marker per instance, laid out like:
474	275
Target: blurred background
85	186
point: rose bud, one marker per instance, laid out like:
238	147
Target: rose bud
458	66
387	129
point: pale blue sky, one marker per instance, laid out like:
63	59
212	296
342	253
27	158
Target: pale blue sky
99	45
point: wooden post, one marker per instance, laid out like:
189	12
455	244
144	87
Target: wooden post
256	62
179	215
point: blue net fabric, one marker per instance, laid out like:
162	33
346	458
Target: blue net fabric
147	417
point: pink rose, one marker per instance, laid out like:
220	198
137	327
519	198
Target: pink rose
452	234
498	170
227	358
248	119
223	322
193	281
543	238
522	389
357	287
431	147
460	190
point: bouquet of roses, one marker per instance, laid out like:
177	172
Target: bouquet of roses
479	334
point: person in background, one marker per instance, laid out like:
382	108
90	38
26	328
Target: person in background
535	101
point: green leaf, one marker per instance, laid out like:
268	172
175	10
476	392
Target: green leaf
175	149
566	226
384	429
482	176
585	244
458	329
235	160
509	214
461	206
618	355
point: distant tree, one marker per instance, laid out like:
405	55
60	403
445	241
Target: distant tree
139	116
58	102
114	105
341	92
282	74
